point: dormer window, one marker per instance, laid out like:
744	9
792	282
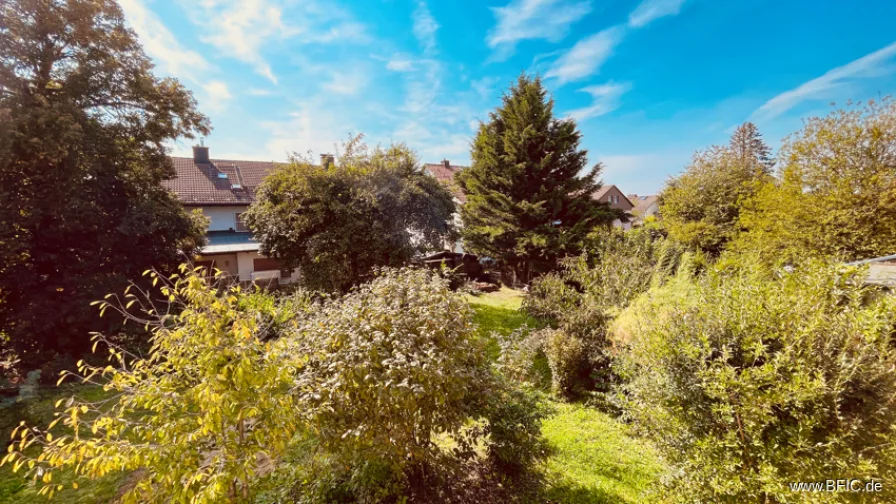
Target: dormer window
222	175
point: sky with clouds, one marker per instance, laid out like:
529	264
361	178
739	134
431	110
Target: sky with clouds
648	81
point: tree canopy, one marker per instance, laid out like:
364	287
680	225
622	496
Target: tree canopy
835	194
82	208
336	223
700	207
528	201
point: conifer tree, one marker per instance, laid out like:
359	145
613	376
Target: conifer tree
748	147
528	202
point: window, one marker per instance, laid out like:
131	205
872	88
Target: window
240	225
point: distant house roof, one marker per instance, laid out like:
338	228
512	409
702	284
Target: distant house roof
218	182
642	203
606	189
444	172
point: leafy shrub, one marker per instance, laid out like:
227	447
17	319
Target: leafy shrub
550	297
513	430
757	378
235	383
194	416
386	370
568	359
582	298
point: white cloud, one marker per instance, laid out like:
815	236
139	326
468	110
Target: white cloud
532	19
172	58
314	126
217	93
159	43
425	28
484	87
823	88
650	10
346	83
586	57
605	99
400	63
242	29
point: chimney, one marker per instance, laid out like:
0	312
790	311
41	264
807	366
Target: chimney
446	164
327	160
200	154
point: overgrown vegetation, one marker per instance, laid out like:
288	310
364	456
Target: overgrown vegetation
371	379
757	377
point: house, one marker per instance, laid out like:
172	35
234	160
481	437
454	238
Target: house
611	195
444	172
223	189
645	207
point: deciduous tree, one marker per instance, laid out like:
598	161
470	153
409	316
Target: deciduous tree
700	207
82	209
835	194
336	223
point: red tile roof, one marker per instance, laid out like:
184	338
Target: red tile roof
445	175
200	183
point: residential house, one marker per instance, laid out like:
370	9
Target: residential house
616	199
444	172
645	207
223	189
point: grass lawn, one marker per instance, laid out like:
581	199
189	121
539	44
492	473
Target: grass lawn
499	311
594	459
39	412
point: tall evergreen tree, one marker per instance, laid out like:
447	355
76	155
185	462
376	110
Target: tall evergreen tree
83	123
747	146
528	203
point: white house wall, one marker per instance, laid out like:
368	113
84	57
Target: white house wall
223	218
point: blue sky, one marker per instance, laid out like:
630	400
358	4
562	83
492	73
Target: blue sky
649	81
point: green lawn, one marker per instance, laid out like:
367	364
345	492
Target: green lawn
39	412
594	459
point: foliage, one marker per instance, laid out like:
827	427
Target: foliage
513	430
527	206
196	416
387	367
700	207
583	297
82	152
336	223
568	359
836	193
760	377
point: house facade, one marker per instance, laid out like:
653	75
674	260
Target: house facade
444	172
223	190
645	207
611	195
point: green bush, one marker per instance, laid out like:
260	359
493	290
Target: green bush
757	378
387	370
513	430
583	297
568	359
